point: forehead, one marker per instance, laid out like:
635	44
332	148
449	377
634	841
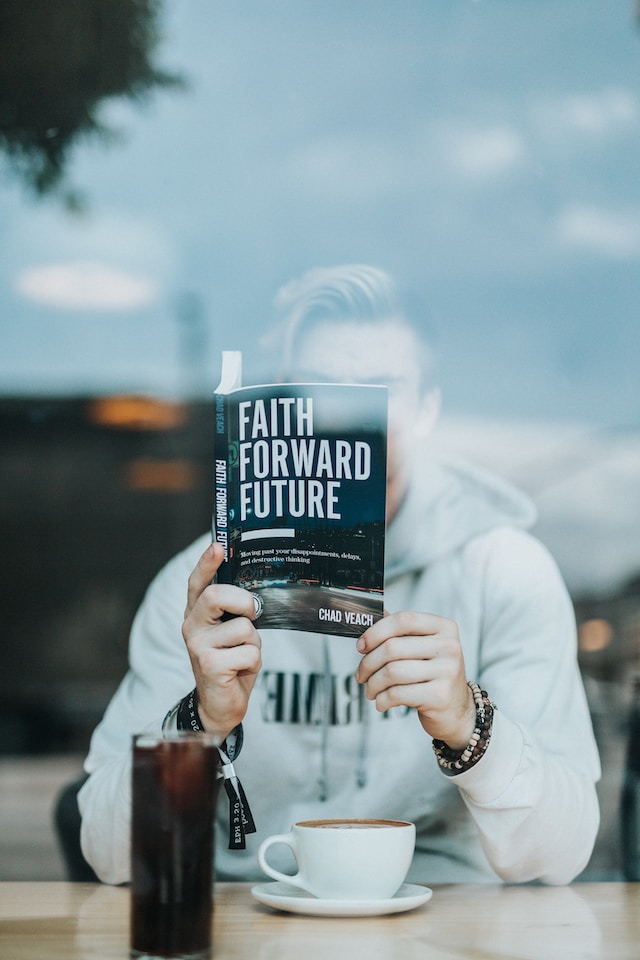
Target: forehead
350	352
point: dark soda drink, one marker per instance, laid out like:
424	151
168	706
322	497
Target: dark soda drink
174	787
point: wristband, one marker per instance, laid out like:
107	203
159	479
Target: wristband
186	717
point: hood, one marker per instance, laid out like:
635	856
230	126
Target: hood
448	503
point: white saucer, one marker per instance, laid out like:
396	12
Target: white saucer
282	896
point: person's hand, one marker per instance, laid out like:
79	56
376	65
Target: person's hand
225	654
415	660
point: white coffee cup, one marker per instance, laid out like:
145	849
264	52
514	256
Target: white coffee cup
346	859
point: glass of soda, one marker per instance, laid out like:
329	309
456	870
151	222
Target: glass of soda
174	790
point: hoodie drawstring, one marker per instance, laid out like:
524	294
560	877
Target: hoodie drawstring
328	693
361	775
323	781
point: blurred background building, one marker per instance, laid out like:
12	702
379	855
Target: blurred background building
165	165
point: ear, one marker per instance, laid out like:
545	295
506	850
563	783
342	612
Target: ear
429	412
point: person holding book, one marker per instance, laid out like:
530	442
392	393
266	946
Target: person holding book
462	709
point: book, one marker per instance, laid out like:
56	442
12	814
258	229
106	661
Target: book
300	499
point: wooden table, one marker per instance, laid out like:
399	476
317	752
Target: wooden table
600	921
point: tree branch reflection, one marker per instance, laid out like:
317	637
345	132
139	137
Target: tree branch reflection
59	62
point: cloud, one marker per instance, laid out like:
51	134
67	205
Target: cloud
41	234
601	115
86	285
482	153
607	232
351	167
364	167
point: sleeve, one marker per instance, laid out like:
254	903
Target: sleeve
533	794
159	675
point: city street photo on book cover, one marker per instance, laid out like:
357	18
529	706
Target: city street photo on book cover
300	496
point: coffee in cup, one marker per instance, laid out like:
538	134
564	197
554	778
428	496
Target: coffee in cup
348	859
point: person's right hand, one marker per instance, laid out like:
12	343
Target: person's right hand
225	654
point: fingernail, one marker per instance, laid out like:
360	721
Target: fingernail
361	645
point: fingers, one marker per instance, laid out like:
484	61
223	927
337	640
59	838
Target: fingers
415	660
203	574
225	651
404	695
405	662
397	649
406	636
207	602
219	599
204	628
217	667
225	655
402	624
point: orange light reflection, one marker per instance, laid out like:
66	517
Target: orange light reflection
136	413
594	635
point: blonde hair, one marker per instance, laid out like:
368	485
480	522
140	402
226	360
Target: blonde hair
351	292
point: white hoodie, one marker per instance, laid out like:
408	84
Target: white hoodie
314	747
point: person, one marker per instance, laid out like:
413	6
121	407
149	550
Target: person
462	709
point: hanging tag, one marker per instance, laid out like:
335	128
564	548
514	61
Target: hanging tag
240	817
236	824
247	816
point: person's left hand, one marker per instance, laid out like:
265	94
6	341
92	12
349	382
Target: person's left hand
415	660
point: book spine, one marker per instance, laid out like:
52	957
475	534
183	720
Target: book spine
222	490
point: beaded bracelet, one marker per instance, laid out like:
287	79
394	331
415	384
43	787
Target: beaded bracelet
452	761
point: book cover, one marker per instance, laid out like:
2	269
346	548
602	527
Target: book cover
300	499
